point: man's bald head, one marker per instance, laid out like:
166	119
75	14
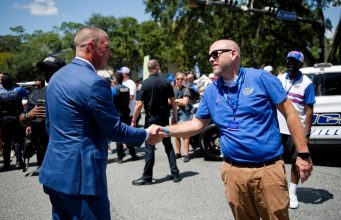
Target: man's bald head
226	44
225	58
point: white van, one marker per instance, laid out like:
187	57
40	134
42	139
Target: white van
326	128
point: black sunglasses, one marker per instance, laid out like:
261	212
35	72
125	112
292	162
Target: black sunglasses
216	53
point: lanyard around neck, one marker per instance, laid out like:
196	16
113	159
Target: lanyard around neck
226	91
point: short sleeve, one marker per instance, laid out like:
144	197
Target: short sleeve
187	93
309	95
274	88
203	111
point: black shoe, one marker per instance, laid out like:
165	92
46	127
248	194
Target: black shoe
175	179
20	164
119	160
135	157
141	181
178	155
5	168
186	159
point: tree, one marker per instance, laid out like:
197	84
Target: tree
263	38
34	49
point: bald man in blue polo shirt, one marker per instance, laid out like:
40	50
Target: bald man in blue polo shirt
242	103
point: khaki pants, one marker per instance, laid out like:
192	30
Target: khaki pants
255	193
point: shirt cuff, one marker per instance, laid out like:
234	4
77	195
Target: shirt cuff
147	134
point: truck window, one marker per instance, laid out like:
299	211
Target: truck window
316	81
331	84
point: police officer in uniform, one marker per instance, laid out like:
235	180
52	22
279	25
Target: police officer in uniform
121	99
10	109
34	113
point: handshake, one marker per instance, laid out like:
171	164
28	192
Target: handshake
156	134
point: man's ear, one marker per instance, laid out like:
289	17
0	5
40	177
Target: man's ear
91	46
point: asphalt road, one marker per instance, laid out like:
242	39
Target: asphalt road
198	196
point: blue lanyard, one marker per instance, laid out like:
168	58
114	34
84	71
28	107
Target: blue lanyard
226	91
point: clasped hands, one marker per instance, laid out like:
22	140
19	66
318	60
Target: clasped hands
156	134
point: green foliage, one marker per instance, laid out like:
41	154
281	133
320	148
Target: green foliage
4	57
107	23
179	34
35	48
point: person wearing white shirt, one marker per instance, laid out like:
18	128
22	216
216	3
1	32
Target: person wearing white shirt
125	71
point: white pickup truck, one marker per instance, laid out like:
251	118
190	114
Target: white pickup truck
326	128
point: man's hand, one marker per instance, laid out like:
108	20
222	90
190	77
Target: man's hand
29	130
304	168
154	134
37	112
164	131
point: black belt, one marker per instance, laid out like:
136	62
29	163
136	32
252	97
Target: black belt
253	165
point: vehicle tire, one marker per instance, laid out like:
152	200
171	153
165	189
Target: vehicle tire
194	141
210	143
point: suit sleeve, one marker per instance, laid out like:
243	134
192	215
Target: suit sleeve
106	116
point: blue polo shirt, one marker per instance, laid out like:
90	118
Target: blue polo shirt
251	103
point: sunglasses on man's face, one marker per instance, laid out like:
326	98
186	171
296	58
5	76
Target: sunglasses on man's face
216	53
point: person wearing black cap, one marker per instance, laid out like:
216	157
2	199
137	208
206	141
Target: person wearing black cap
34	114
300	91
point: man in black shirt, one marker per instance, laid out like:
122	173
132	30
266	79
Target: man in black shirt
34	113
121	98
154	95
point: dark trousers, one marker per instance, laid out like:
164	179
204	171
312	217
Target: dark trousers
149	156
119	146
40	140
289	146
119	149
67	207
12	134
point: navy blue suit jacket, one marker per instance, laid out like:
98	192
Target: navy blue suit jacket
80	118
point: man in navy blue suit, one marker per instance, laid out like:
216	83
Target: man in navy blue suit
80	118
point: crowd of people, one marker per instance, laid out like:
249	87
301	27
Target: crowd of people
73	118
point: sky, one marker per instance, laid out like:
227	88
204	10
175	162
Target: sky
45	14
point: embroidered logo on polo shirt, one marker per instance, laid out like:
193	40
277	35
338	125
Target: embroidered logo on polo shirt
248	91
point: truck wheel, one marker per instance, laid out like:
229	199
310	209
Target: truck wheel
210	143
194	141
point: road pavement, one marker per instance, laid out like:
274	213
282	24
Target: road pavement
198	196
